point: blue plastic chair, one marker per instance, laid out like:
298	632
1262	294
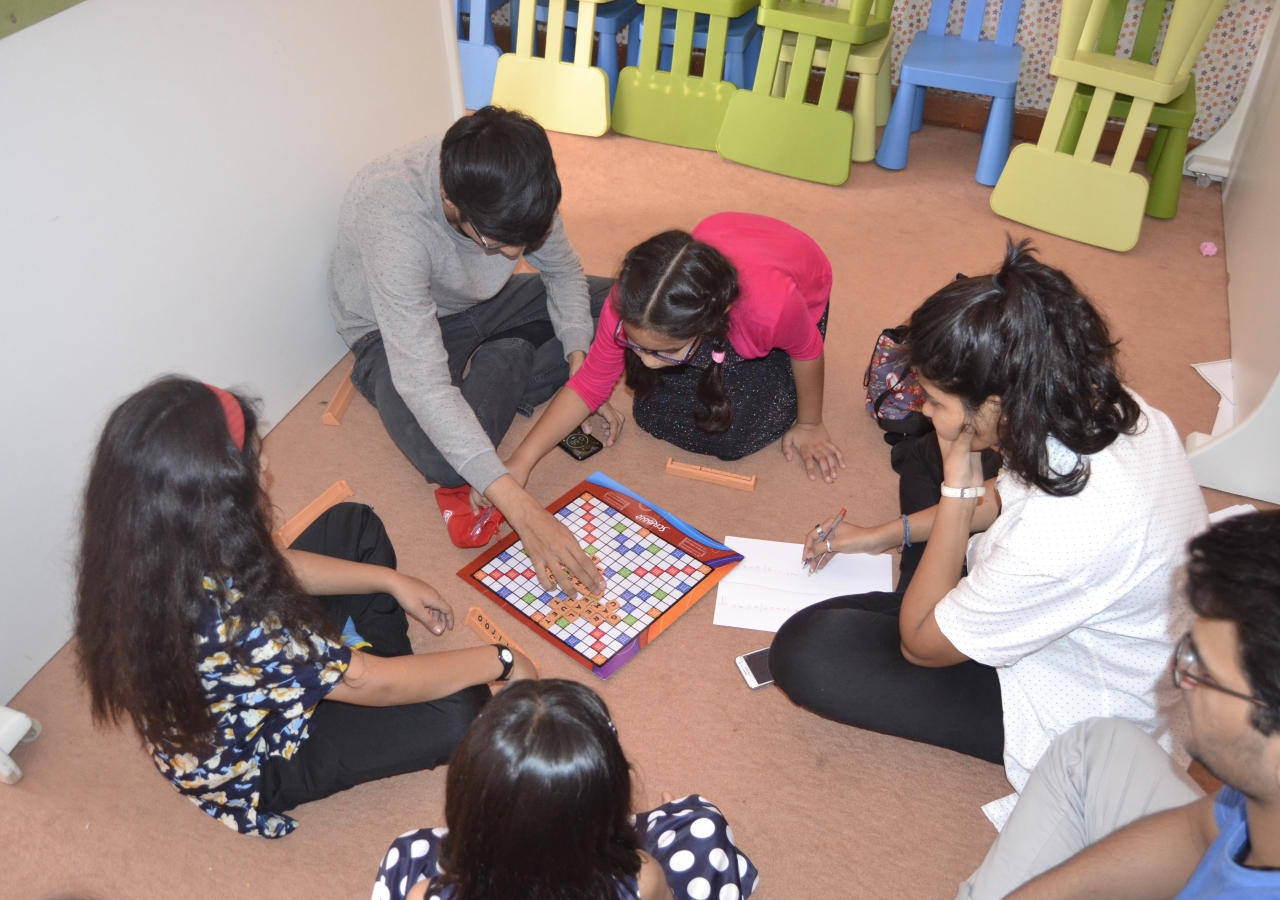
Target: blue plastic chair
741	52
959	62
477	50
611	18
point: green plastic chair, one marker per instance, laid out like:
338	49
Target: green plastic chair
676	107
1068	193
771	127
1172	120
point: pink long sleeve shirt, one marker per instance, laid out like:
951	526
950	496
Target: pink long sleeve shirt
784	283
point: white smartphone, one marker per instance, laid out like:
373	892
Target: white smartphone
755	668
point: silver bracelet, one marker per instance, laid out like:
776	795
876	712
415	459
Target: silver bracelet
906	533
965	493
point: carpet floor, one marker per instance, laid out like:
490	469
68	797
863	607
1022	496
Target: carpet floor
824	810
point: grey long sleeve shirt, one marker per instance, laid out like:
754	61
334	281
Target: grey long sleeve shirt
399	265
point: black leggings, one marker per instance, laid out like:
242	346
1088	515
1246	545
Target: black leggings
842	658
348	744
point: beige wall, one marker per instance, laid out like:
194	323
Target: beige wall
172	171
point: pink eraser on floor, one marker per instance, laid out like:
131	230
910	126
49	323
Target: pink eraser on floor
1208	248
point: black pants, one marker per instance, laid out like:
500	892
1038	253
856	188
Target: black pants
516	363
842	658
347	744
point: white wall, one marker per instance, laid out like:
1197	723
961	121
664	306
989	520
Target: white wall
170	177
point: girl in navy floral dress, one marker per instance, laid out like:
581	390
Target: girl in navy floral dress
225	651
538	802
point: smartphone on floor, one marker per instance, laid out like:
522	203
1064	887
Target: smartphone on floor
755	668
580	445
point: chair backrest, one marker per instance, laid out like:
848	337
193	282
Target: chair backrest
974	13
861	12
1094	25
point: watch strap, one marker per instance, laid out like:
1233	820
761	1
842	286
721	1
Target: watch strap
508	660
964	493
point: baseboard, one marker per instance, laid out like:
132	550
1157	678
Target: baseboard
966	112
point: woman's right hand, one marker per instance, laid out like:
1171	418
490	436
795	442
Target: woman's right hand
847	538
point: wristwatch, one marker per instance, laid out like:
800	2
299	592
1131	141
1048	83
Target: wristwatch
508	660
964	493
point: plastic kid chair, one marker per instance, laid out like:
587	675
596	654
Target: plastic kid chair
611	18
1172	120
674	107
478	51
572	97
741	46
959	62
1069	194
773	128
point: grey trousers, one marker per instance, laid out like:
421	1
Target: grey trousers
1094	779
507	373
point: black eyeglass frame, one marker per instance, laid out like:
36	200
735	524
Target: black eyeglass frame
620	337
1187	655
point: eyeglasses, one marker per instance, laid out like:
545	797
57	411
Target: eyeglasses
1186	658
484	242
620	336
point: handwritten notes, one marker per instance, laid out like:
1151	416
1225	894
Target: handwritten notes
769	585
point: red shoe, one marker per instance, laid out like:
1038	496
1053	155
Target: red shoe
466	529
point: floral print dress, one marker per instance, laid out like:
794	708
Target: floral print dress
260	709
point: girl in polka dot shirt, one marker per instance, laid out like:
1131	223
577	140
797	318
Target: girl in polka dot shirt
538	802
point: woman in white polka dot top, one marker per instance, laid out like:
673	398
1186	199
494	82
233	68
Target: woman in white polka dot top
538	802
1067	609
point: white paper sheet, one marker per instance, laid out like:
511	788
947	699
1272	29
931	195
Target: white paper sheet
769	585
1240	509
1219	376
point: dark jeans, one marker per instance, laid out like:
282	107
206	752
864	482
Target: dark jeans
347	744
516	363
842	658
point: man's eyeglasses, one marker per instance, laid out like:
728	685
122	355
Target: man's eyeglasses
484	242
1187	666
621	337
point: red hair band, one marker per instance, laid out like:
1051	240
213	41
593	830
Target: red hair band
233	413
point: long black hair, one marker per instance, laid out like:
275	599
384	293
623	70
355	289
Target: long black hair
684	289
1028	336
171	500
538	800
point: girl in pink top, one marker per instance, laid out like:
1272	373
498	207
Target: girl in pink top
719	333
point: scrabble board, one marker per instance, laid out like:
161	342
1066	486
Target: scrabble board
655	567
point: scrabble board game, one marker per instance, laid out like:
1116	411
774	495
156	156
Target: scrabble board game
655	568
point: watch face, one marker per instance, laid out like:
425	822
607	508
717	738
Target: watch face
505	655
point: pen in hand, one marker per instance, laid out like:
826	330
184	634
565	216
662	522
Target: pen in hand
812	562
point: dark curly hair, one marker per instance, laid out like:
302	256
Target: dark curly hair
682	288
171	500
1234	575
538	800
1028	336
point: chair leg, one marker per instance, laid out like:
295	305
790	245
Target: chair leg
607	59
995	141
633	41
753	58
1071	130
733	68
780	78
917	114
1157	148
1162	199
570	44
897	131
864	118
515	18
884	98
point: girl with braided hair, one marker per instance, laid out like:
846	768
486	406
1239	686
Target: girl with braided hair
719	332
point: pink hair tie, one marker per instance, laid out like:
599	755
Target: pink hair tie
232	412
717	356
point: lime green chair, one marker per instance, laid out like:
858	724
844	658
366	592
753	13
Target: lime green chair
572	97
1068	193
1172	120
675	107
771	127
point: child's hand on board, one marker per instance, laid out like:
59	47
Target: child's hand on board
816	450
423	602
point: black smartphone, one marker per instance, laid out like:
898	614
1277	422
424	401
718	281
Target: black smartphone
580	445
755	668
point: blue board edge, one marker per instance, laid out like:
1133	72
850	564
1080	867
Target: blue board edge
605	481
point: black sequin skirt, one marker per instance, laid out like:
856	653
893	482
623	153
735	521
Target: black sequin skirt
762	393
